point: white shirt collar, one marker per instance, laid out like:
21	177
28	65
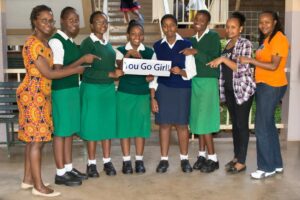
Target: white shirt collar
178	37
129	47
198	38
62	34
96	39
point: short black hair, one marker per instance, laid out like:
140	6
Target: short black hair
278	26
36	12
204	12
66	11
134	23
168	16
239	16
94	14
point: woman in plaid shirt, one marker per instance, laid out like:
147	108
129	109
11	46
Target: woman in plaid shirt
236	88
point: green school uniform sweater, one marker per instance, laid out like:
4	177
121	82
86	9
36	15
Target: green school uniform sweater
72	53
98	72
209	48
135	84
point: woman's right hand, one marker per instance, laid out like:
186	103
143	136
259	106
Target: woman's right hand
118	73
89	58
215	63
154	105
133	53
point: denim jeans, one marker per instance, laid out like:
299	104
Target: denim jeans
267	138
239	115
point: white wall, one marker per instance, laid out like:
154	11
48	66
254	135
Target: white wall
291	102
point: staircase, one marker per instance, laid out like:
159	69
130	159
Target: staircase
117	30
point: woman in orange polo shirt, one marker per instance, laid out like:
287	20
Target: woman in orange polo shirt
272	83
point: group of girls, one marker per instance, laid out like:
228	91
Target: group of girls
95	111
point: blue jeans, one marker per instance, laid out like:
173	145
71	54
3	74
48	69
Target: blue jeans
267	138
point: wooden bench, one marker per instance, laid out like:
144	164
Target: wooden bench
9	110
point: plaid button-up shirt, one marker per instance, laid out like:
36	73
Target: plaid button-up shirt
243	81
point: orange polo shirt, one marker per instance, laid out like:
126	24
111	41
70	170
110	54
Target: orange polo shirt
278	46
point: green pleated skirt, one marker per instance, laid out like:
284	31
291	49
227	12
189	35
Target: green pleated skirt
66	111
133	115
205	108
98	111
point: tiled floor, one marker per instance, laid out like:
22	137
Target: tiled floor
152	186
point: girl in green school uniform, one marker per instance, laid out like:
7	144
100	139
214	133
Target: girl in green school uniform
98	96
65	97
133	100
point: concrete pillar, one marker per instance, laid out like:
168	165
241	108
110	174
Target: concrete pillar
291	106
3	56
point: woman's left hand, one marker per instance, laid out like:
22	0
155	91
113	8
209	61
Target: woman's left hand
244	60
175	70
215	63
149	78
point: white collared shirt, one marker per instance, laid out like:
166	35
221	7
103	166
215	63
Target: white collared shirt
120	56
190	64
198	38
57	48
94	38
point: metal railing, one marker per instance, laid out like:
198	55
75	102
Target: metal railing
217	8
224	126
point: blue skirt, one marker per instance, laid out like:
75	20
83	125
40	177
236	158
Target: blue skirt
173	105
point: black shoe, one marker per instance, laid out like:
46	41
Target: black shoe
109	169
234	170
210	166
199	163
127	167
139	167
162	166
67	180
77	174
230	164
185	166
91	171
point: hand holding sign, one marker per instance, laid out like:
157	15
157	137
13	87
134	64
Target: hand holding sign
176	70
133	53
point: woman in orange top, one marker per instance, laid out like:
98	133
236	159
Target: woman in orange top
272	83
34	97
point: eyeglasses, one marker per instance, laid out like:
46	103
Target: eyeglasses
100	23
46	22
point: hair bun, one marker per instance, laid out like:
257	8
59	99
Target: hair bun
240	16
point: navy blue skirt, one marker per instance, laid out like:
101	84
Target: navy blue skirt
173	104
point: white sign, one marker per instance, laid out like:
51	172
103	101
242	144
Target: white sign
146	67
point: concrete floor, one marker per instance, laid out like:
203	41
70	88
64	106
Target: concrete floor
152	186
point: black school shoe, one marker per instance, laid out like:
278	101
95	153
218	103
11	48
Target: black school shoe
77	174
109	169
185	166
91	171
210	166
127	167
199	163
139	167
67	179
162	166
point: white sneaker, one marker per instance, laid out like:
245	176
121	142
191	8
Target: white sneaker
258	174
279	170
